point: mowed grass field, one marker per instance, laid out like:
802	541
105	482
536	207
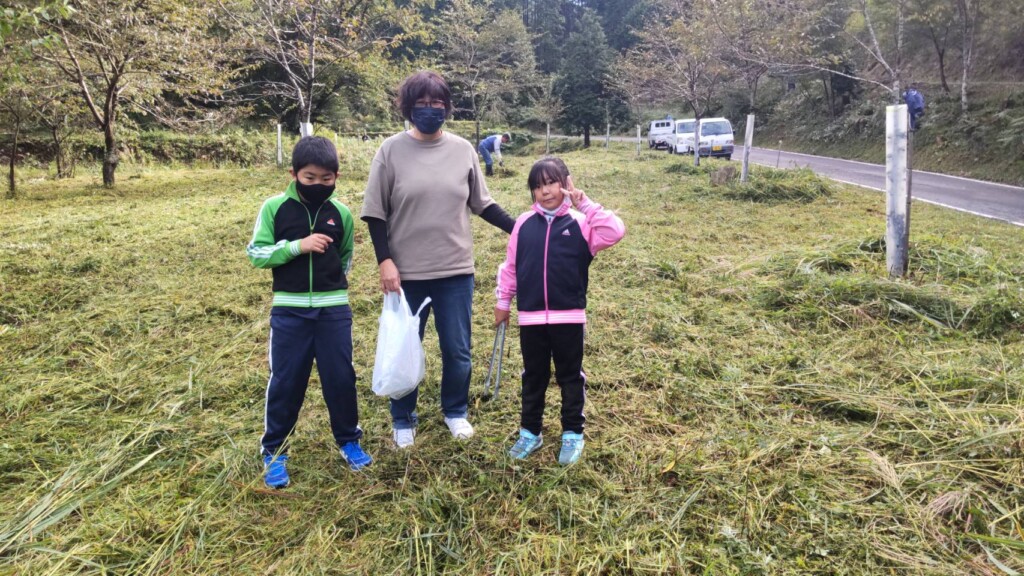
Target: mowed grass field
762	399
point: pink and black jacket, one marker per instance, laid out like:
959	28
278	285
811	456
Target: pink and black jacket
547	263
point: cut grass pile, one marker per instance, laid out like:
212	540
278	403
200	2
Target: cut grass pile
762	399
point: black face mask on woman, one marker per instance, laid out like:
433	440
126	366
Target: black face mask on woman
315	194
428	120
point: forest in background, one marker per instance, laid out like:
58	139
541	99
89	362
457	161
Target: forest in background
87	80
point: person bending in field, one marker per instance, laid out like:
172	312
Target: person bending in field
305	235
546	269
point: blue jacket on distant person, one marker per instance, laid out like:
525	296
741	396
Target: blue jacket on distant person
492	144
914	100
915	105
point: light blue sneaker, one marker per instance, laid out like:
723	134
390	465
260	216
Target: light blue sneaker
354	456
572	448
275	471
528	442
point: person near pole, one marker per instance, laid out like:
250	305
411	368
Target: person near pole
492	145
915	105
305	236
546	269
423	186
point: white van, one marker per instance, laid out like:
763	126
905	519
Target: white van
716	137
681	138
657	132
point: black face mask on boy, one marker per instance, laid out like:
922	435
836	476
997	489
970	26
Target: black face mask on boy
315	194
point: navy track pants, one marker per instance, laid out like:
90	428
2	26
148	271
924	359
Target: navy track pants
297	337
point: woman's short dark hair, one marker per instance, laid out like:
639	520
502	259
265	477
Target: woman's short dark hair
423	84
545	171
315	150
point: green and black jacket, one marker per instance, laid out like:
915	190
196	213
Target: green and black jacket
303	280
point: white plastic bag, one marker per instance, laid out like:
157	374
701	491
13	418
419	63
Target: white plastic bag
400	365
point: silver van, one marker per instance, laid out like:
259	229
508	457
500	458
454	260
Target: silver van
658	132
716	137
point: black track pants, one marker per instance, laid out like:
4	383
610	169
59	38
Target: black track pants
541	344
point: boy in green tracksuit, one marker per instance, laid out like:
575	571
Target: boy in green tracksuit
305	237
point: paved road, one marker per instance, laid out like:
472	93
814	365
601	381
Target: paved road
998	201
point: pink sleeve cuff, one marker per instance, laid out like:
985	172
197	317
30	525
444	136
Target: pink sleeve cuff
587	205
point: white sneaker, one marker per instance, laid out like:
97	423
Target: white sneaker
460	428
404	437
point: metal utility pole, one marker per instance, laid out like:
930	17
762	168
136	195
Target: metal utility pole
748	141
897	189
280	153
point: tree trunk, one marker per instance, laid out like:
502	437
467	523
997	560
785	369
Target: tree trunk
968	19
12	190
828	97
898	80
940	51
942	71
110	155
586	136
963	91
58	152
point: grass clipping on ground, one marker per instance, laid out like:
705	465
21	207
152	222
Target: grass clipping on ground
762	399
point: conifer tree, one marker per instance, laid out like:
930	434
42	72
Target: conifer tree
582	82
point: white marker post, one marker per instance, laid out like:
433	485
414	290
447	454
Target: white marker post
748	141
547	140
305	129
897	190
637	140
280	153
696	144
607	135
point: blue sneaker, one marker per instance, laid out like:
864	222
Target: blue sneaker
572	448
528	442
354	455
275	471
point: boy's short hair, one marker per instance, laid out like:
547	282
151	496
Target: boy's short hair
315	150
548	169
507	135
423	84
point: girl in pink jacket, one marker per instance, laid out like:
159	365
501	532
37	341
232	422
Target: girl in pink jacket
546	268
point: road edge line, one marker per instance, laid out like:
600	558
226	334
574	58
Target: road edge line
912	197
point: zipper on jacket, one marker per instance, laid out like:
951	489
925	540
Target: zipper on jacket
311	222
547	308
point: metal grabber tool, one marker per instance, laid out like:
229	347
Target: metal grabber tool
496	354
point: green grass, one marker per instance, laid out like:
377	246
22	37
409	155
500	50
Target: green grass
762	399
